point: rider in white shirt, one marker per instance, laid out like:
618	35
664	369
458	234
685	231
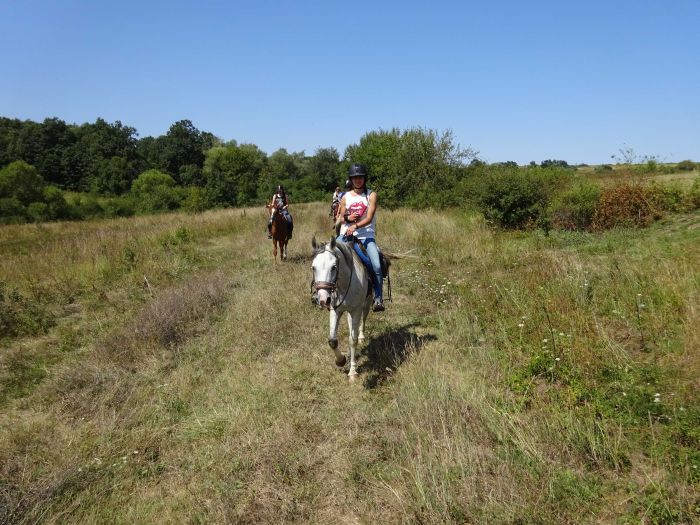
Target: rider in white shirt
358	207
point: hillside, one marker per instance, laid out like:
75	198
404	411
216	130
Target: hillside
164	369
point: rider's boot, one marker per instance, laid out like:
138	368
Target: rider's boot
378	305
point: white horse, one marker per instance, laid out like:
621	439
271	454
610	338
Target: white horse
343	285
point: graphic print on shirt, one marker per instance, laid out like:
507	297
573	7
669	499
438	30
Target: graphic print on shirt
358	207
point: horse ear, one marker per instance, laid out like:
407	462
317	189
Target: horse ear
332	243
314	243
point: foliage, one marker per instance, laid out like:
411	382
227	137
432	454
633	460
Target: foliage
574	209
626	205
686	165
415	167
691	200
515	198
21	181
603	168
231	174
154	191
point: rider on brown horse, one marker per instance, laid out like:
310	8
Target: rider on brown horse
280	204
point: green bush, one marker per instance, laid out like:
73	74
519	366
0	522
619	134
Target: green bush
691	200
154	191
196	200
666	197
12	211
603	168
119	207
686	165
513	198
575	208
21	181
86	207
38	211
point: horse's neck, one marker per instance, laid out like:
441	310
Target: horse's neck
351	265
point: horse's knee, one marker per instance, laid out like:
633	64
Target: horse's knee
333	343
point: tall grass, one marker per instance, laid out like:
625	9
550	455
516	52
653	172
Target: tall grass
516	377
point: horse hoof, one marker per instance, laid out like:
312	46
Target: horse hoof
361	339
352	377
340	361
333	343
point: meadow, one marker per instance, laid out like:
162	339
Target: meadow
163	369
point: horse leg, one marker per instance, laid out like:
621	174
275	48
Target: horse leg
274	248
353	325
333	339
284	253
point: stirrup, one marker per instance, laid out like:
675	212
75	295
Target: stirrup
378	305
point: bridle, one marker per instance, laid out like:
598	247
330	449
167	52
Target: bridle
332	286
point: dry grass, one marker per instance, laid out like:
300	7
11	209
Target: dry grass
208	393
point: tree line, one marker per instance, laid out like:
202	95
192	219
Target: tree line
106	169
53	170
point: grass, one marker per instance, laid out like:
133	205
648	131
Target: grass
184	377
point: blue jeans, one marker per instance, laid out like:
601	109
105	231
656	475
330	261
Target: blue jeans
372	262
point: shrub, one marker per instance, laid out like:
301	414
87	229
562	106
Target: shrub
575	209
691	200
514	198
603	168
21	181
686	165
119	207
666	197
155	191
38	211
12	211
626	205
196	200
86	207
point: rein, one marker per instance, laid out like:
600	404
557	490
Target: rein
333	285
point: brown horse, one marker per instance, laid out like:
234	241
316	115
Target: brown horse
280	232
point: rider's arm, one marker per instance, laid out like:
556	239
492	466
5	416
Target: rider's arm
341	209
286	199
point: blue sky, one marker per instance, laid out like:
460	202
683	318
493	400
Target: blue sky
514	80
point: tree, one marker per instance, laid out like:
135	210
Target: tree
415	167
20	181
182	145
154	190
231	174
324	169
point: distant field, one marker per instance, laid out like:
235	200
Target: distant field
162	369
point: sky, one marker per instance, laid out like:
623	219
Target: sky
513	80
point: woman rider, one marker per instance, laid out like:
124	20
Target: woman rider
280	202
358	207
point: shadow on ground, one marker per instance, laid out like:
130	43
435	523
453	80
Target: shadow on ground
386	352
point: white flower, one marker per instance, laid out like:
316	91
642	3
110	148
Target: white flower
521	325
545	340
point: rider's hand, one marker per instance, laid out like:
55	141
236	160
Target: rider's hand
352	217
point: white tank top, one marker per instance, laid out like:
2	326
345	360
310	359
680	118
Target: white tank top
359	204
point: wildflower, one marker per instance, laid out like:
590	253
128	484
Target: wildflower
561	334
545	340
520	325
624	393
557	359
